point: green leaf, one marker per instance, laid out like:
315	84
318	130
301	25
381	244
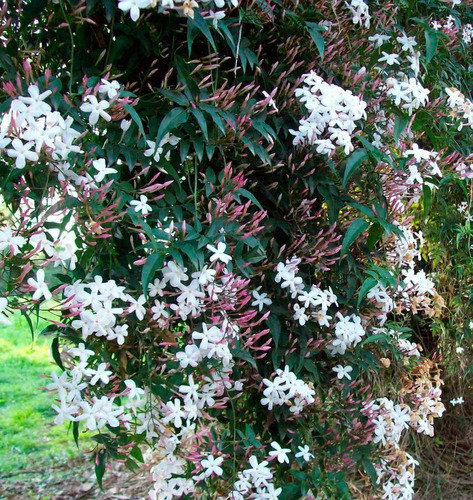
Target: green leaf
311	367
353	163
137	454
75	432
367	285
213	112
374	338
199	147
132	465
315	32
55	353
238	352
362	208
399	125
174	96
30	323
431	43
172	120
376	153
184	77
427	198
246	194
100	460
136	118
184	146
264	129
355	229
290	492
250	435
196	25
228	35
110	9
152	264
199	116
274	327
374	235
370	470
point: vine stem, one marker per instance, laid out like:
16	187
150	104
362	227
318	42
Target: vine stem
71	35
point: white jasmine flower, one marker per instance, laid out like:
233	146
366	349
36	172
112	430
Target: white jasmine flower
212	466
125	125
390	59
343	371
219	253
379	39
40	287
100	374
174	274
109	88
215	16
153	151
280	453
7	240
21	151
304	453
133	7
102	170
96	109
408	42
141	205
261	300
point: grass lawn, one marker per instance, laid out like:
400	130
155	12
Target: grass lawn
28	436
38	459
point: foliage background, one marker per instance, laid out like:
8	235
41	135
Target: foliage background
231	173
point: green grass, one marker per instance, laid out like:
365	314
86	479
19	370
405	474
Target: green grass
28	436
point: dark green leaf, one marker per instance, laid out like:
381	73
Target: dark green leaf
375	338
75	432
177	97
399	125
315	32
213	112
132	465
136	118
355	229
362	208
199	148
196	25
100	461
137	454
353	163
431	43
246	194
201	121
427	198
55	352
374	235
152	264
238	352
367	285
172	120
274	327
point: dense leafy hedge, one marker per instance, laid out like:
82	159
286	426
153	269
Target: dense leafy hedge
236	216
